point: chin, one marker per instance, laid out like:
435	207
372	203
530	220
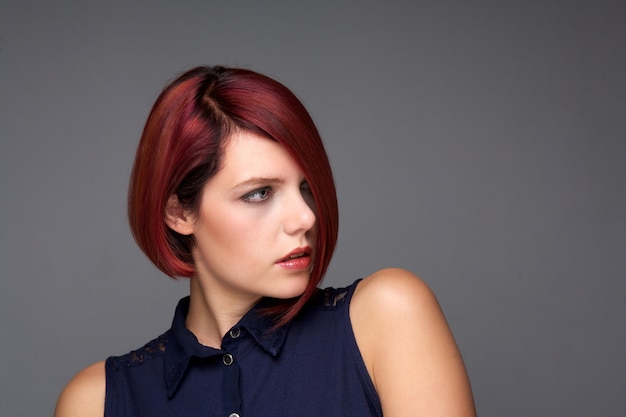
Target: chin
291	288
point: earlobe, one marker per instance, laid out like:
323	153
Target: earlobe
177	218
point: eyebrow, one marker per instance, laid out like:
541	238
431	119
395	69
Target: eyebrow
258	181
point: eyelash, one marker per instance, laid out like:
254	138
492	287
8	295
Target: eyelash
250	197
268	192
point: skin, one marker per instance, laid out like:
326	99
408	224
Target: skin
408	348
255	211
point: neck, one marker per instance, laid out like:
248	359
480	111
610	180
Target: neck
212	315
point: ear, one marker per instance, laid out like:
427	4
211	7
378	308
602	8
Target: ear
177	218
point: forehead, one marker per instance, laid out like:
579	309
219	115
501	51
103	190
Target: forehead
247	154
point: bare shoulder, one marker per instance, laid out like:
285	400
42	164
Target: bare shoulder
84	394
408	348
393	300
395	286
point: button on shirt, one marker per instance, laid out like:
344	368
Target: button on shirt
310	367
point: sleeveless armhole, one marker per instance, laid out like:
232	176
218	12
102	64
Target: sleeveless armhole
341	298
117	368
114	394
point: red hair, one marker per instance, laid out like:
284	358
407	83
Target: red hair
182	147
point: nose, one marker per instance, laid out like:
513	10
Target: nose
300	214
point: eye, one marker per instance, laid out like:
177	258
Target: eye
307	194
258	196
305	188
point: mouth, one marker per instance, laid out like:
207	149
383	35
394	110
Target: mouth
298	259
297	253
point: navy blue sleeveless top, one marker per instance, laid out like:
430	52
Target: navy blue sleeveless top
311	367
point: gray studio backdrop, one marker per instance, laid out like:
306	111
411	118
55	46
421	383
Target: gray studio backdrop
479	144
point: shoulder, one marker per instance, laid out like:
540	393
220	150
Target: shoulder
408	348
393	301
84	394
393	297
398	287
145	355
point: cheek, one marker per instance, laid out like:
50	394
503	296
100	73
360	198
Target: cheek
233	233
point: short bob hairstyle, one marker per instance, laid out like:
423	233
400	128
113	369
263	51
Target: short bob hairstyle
181	148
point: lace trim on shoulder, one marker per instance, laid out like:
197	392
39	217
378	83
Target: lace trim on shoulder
332	297
153	348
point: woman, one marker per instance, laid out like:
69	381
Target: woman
232	188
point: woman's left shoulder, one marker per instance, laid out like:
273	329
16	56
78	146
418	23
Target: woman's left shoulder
390	302
392	290
408	348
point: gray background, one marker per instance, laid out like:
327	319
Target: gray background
479	144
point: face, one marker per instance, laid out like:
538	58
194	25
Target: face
255	227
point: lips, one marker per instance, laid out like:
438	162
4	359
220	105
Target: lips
297	259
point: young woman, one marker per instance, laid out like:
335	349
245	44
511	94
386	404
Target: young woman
232	188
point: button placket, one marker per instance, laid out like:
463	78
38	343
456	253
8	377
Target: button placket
230	384
232	393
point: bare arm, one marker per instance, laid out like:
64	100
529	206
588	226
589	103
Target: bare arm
408	348
84	394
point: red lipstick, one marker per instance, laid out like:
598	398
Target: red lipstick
297	260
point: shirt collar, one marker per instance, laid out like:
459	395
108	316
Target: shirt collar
183	345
